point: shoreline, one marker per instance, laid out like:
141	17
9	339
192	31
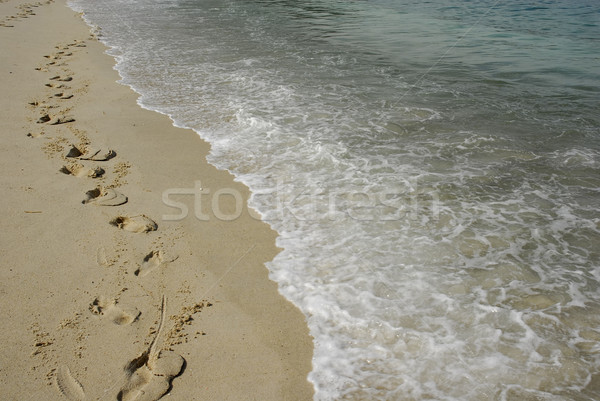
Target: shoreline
93	247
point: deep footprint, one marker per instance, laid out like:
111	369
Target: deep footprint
89	153
154	260
62	79
58	86
62	95
149	375
109	309
135	224
78	170
150	378
56	120
104	197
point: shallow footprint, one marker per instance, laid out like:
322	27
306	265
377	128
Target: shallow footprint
135	224
108	308
35	135
104	197
101	258
68	385
78	170
154	260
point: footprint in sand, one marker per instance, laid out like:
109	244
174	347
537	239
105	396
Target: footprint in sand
90	153
55	120
68	385
62	79
104	197
79	170
149	375
108	308
154	260
62	53
53	56
101	258
135	224
63	96
58	86
150	378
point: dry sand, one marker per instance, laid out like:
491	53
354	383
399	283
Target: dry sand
145	305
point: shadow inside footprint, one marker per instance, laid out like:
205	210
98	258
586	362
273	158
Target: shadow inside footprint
135	224
109	309
44	119
104	197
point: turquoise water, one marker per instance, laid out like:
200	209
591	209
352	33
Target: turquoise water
432	168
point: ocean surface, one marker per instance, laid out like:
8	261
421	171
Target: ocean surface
432	168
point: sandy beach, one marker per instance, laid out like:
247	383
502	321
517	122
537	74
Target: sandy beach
130	267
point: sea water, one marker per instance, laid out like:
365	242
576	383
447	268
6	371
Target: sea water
432	169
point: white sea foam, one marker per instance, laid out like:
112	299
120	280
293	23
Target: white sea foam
436	255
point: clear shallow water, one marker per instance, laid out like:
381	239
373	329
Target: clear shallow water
433	169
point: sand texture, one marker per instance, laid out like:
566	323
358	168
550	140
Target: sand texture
106	293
